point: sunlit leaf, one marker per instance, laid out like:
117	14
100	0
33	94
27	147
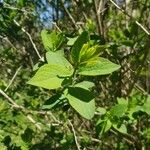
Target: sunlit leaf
51	40
50	76
96	67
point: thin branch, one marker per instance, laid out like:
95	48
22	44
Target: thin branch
69	15
8	41
30	38
7	6
34	122
13	78
74	133
139	24
57	27
15	105
129	139
99	23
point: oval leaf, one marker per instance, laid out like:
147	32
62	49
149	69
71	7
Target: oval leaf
96	67
82	100
50	76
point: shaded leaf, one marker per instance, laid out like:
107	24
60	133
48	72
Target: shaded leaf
82	100
82	39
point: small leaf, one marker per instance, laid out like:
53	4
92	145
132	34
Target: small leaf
50	76
107	126
82	39
146	106
53	101
118	110
101	110
85	84
27	135
96	67
51	40
122	128
71	41
103	126
82	100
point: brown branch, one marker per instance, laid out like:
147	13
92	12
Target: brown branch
74	133
69	15
30	38
138	23
99	23
13	78
15	105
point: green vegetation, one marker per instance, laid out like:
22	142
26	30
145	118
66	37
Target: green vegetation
74	75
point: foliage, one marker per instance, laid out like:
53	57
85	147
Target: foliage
74	75
59	73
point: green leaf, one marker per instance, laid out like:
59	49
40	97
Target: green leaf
96	67
51	41
75	51
101	110
50	76
57	58
71	41
118	110
27	135
82	100
146	133
53	101
122	128
107	126
88	53
85	84
146	106
103	126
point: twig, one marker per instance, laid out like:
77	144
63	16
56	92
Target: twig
8	41
14	104
69	15
139	24
30	38
34	122
54	118
98	17
75	137
13	78
55	24
130	141
10	100
7	6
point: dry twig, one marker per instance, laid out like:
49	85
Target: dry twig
13	78
30	38
75	137
138	23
